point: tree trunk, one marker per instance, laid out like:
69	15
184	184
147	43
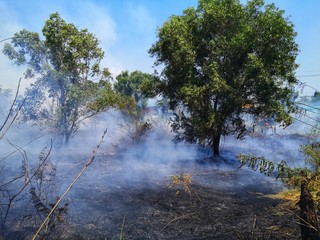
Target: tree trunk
309	219
216	145
67	136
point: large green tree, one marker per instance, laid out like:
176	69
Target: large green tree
65	65
130	84
222	61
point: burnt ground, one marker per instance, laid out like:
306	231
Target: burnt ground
209	213
224	204
134	199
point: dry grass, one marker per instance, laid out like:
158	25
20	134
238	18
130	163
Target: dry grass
181	181
291	199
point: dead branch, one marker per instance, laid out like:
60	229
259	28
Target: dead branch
25	160
38	203
13	119
11	107
1	160
90	160
12	198
10	38
5	185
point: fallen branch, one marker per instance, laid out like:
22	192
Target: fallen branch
93	155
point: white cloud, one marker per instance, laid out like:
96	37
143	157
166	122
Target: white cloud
97	20
86	15
9	24
9	74
124	42
141	17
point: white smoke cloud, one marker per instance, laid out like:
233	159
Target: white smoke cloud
141	18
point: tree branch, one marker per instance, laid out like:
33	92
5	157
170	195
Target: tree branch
90	160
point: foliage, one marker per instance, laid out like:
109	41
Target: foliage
264	166
181	180
130	84
136	129
316	96
65	65
59	216
106	98
224	60
291	176
306	178
141	129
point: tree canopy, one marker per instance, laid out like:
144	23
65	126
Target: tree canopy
222	61
66	65
130	84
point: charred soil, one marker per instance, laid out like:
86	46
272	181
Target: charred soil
208	213
136	201
221	204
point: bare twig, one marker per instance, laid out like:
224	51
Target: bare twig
13	119
1	160
90	160
5	185
254	223
10	38
6	39
25	160
12	105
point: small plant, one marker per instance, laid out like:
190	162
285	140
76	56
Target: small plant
122	229
183	181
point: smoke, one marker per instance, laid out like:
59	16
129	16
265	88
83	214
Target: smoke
154	158
121	159
150	162
123	162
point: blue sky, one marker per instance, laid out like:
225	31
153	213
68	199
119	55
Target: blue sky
127	29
